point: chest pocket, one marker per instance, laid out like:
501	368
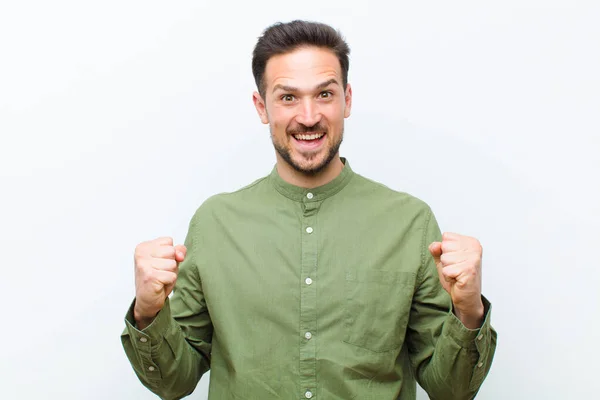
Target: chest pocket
377	308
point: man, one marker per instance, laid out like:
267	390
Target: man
312	282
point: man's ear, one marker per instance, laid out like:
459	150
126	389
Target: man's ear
348	101
261	108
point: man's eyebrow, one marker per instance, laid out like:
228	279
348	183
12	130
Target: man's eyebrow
284	88
327	83
323	85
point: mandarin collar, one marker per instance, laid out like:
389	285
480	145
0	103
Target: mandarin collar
318	193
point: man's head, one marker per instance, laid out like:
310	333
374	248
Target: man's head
301	73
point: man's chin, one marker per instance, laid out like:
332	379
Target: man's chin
309	163
309	166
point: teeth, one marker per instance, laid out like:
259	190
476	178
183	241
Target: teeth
311	136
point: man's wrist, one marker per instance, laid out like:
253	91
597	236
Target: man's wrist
471	318
142	318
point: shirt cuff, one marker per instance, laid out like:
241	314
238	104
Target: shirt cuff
146	343
465	337
153	335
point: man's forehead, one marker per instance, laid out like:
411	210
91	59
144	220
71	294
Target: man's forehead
306	66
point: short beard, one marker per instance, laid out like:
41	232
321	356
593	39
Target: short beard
284	152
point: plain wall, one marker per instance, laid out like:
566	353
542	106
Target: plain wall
118	118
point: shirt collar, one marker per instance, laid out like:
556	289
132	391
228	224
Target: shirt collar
318	193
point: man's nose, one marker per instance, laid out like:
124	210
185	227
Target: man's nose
308	113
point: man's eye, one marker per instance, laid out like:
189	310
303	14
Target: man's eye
325	95
287	97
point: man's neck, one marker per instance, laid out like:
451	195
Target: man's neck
296	178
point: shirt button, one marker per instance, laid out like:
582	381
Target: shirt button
308	335
309	230
309	195
308	394
308	281
151	368
480	365
479	337
143	340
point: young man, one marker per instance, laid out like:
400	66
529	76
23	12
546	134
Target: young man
312	282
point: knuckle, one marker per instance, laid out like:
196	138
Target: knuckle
141	264
475	258
142	250
166	240
170	252
475	243
137	253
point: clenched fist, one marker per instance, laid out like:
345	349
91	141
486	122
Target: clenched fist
458	261
156	267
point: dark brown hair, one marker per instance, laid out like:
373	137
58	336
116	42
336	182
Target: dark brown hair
281	38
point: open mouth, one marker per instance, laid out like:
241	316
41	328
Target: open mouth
310	140
308	137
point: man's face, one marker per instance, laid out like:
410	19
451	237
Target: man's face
305	105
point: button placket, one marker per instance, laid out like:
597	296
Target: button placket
308	295
144	346
481	344
152	371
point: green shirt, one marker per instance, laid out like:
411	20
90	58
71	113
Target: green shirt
323	293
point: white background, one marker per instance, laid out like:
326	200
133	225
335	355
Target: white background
118	118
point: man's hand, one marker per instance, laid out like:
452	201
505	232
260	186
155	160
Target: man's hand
156	268
458	260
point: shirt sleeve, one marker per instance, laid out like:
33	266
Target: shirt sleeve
171	354
450	361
